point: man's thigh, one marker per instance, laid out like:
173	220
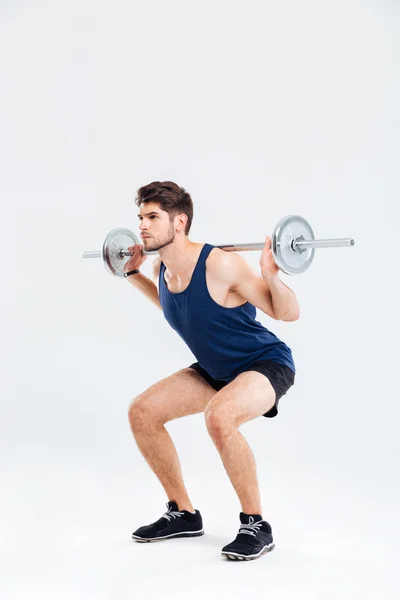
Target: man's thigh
248	396
183	393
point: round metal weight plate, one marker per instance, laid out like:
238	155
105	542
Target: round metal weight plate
286	231
117	240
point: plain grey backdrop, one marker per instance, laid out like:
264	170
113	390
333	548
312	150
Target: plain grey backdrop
259	109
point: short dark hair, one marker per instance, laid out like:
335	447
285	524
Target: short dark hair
172	198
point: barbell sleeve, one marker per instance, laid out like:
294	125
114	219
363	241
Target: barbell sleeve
335	243
92	254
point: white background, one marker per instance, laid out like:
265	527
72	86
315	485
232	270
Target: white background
259	109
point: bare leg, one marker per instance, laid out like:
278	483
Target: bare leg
181	394
160	453
247	397
240	465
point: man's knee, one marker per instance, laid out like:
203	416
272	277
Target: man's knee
218	420
139	414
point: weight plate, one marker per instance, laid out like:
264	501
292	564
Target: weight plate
117	240
286	231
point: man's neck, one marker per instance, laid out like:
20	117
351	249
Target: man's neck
180	259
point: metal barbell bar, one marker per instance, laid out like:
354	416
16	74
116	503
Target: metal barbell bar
293	246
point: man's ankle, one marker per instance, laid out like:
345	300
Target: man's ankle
185	506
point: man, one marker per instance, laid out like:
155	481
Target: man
209	296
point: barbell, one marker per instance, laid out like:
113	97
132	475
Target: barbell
292	243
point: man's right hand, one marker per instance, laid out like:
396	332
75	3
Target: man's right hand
137	258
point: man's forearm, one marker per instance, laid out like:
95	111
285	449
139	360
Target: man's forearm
146	286
284	301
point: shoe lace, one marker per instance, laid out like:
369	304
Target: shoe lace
172	514
251	528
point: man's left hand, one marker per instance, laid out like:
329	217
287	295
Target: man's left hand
269	268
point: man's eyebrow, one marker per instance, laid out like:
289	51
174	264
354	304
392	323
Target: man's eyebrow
153	212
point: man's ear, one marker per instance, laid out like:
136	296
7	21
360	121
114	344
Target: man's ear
183	219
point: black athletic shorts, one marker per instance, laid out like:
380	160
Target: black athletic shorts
280	376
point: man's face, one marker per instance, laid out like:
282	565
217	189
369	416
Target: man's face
156	229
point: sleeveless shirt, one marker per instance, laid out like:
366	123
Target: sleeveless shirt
224	340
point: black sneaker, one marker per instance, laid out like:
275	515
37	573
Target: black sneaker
173	524
253	540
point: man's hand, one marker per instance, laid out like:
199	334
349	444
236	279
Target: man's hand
269	268
137	258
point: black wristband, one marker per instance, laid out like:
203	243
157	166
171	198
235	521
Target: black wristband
131	273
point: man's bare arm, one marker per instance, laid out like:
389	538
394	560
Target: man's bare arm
146	285
275	300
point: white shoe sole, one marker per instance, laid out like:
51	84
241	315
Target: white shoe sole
236	556
171	535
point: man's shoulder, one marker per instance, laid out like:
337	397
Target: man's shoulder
225	265
217	258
